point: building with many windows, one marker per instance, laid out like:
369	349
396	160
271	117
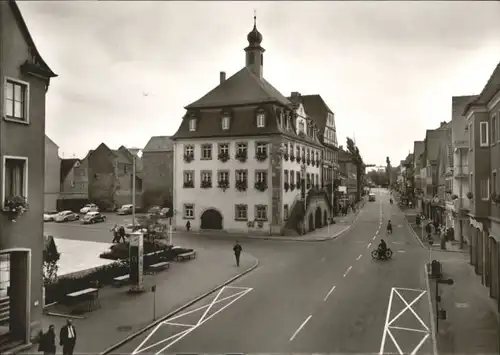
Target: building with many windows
245	157
25	80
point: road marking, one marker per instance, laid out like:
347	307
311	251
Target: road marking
329	293
377	232
401	251
348	269
369	244
300	328
374	237
359	257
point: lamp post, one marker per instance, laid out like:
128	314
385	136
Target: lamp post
303	191
133	190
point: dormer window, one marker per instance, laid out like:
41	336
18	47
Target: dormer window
261	119
301	127
192	124
225	123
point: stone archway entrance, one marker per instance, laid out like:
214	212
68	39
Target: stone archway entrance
211	219
317	218
311	222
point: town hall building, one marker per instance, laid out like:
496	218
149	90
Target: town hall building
247	159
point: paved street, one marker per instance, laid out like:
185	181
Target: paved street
332	297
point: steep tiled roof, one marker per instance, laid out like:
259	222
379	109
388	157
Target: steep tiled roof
29	40
66	166
489	90
317	109
159	144
418	149
433	139
242	88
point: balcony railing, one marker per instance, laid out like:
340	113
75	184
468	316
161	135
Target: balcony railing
462	173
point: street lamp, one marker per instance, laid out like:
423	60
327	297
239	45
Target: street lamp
440	312
303	191
133	190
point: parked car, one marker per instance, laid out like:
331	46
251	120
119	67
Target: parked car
159	211
49	216
93	217
129	228
91	207
371	197
125	209
66	216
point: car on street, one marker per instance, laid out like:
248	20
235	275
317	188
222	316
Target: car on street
125	209
93	217
158	211
49	216
66	216
90	207
371	197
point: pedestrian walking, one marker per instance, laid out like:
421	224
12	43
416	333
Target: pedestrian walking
67	338
121	234
188	226
116	238
237	252
48	341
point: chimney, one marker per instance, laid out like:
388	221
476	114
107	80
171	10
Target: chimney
222	76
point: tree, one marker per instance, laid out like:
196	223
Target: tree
378	178
358	162
51	257
388	169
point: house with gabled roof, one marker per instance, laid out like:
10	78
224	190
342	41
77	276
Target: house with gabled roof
25	79
242	154
158	172
52	172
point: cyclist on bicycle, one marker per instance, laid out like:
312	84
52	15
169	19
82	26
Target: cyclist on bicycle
382	249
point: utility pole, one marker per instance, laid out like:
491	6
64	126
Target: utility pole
460	202
133	190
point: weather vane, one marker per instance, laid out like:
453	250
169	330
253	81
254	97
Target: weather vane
254	17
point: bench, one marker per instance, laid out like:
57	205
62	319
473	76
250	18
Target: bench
186	256
89	295
121	280
162	265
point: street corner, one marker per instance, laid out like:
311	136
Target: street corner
176	327
407	326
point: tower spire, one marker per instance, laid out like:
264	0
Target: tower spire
254	51
254	18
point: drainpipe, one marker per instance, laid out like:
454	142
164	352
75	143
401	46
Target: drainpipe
460	203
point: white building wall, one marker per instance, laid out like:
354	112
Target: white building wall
215	197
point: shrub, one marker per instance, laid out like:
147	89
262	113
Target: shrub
121	251
50	258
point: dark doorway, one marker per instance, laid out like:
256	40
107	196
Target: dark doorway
211	219
311	223
317	218
325	218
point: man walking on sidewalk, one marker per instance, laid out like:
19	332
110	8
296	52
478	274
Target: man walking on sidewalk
237	252
67	338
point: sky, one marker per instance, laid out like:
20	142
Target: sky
388	70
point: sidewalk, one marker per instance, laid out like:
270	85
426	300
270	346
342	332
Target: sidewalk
472	325
451	246
122	314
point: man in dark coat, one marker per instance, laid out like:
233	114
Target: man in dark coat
67	338
237	252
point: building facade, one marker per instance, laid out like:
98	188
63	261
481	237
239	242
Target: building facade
246	157
25	80
52	173
158	171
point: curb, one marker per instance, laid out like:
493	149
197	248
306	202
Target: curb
431	311
178	310
426	247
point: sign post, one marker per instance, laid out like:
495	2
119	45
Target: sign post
153	290
136	259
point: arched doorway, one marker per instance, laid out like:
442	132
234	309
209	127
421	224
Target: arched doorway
325	218
211	219
311	222
317	218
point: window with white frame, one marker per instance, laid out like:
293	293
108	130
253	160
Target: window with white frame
224	148
242	148
297	151
16	100
15	184
189	150
261	213
261	148
285	212
261	119
292	177
188	211
483	134
188	176
223	176
241	175
484	189
206	151
302	127
285	174
241	212
225	122
206	176
192	124
261	176
494	128
288	123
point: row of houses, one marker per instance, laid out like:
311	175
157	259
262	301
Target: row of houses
454	176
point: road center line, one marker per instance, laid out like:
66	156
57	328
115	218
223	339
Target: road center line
329	293
348	269
359	257
374	237
377	232
300	328
369	244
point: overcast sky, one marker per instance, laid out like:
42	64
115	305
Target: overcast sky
388	70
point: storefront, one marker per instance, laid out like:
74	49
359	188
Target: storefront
15	295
